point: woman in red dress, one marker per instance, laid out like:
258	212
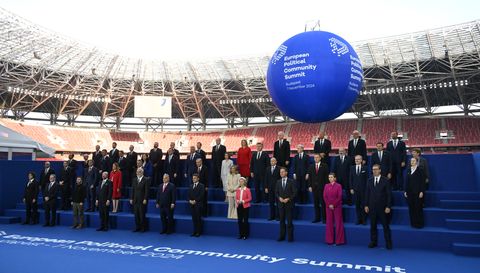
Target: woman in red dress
244	155
116	178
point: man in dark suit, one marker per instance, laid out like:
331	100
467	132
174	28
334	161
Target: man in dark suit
358	185
300	168
281	150
384	159
132	158
202	172
105	163
97	157
166	198
30	199
45	175
378	200
104	197
190	164
49	201
341	168
114	153
398	151
175	151
196	193
323	147
201	153
91	178
258	164
317	177
171	165
66	184
85	164
139	200
357	146
272	175
123	165
155	157
218	155
72	163
285	192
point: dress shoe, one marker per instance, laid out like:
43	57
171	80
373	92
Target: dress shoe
79	227
315	221
100	229
197	235
105	229
25	223
193	235
244	237
280	239
163	232
372	245
46	225
290	240
52	225
389	246
240	237
136	230
271	219
74	226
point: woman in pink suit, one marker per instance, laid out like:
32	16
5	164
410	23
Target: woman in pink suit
243	197
116	178
332	194
244	156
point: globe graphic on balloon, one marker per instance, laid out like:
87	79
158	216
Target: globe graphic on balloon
314	76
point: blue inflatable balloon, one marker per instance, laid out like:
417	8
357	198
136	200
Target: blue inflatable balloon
314	76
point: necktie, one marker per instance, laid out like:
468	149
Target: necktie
273	168
195	185
164	186
258	155
280	143
376	181
380	156
395	144
316	168
103	183
283	183
321	142
191	157
358	169
300	156
50	185
355	143
342	159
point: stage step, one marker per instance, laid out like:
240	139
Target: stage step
403	235
460	204
463	249
9	219
463	224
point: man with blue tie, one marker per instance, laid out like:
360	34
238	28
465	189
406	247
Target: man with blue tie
378	201
258	164
358	184
300	168
166	197
398	150
190	164
384	159
272	175
285	192
196	193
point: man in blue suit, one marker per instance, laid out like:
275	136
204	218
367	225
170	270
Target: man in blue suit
190	164
378	202
384	159
300	168
358	183
398	150
196	193
91	178
258	165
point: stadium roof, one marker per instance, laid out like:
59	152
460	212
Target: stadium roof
47	72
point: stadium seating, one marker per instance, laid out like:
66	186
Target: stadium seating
420	132
465	130
304	133
377	130
339	132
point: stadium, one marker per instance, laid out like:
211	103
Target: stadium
61	97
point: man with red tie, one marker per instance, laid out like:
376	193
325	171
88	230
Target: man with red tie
166	197
317	177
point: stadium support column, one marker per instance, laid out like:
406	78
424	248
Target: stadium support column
189	124
53	118
117	123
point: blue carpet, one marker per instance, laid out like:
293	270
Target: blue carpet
19	255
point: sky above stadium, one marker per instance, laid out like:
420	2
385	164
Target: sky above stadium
212	29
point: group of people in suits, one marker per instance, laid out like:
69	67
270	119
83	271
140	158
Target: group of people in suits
107	173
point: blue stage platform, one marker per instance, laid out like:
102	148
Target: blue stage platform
452	225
